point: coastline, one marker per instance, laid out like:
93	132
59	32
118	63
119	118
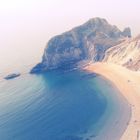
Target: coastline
127	83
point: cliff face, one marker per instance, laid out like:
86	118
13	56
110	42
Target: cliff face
126	54
87	42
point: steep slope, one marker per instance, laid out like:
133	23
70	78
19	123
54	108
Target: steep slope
126	54
87	42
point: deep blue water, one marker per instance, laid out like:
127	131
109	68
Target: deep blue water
55	106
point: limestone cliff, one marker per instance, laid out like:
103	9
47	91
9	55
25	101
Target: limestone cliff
84	43
126	54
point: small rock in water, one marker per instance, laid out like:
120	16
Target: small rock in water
11	76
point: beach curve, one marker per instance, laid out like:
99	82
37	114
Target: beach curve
127	82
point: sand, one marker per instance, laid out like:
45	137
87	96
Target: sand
128	82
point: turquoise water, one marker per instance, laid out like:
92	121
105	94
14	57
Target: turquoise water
58	106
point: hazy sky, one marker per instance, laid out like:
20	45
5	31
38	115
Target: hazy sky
31	23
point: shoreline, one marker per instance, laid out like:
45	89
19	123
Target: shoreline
127	82
117	114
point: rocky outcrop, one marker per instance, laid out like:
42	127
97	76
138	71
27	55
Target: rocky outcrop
85	43
12	76
126	54
127	32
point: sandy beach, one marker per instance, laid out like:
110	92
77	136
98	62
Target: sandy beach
128	83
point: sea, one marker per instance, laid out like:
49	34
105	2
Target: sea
59	105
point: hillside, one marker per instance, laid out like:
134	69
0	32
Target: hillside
126	53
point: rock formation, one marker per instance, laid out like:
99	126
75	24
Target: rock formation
12	76
84	43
